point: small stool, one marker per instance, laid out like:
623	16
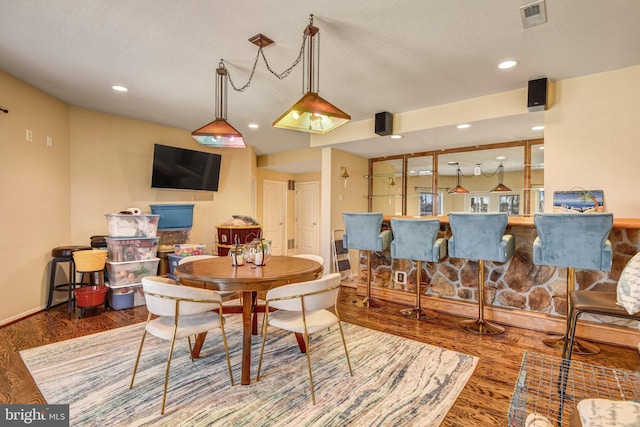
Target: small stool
480	236
417	240
363	232
573	241
63	254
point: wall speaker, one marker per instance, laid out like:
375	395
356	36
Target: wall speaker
384	123
537	97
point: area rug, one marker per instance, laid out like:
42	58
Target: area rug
395	382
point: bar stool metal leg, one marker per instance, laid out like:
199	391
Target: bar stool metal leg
578	346
481	326
368	302
418	312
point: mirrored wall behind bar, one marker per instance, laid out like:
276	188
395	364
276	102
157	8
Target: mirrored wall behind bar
505	177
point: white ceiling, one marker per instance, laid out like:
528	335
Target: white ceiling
375	55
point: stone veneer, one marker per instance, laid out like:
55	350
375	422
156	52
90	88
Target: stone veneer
517	284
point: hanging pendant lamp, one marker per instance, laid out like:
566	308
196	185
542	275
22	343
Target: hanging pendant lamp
312	113
500	188
219	133
458	189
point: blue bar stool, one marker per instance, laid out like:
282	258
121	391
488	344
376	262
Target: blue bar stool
573	241
417	240
480	236
363	232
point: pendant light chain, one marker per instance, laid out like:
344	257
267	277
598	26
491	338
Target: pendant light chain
259	54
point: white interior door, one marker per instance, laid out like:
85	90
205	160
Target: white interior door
274	214
307	215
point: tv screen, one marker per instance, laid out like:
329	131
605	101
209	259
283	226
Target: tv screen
183	169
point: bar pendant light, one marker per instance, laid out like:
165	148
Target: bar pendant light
500	188
458	189
312	113
219	133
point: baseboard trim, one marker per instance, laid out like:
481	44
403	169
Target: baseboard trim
608	334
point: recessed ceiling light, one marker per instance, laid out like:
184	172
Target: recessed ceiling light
119	88
396	136
501	157
464	126
253	125
537	128
541	147
507	64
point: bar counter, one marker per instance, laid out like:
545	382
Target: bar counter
517	292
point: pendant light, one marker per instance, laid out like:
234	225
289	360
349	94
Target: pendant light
219	133
500	188
312	113
458	189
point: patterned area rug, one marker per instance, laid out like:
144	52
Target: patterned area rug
396	381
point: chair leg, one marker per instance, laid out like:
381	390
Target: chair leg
226	348
369	302
417	312
344	344
166	375
265	321
578	346
481	326
308	353
52	282
135	367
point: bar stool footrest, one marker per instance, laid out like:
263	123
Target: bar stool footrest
481	327
419	313
579	346
369	303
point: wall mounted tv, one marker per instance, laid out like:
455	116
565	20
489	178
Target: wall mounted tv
182	169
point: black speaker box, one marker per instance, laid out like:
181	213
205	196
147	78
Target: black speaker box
384	123
537	97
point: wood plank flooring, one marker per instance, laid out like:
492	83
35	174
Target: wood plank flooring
483	402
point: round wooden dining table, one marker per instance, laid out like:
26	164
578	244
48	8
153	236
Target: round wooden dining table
218	273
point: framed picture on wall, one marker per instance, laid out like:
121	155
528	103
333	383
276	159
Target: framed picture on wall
578	201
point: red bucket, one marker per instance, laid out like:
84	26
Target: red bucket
90	296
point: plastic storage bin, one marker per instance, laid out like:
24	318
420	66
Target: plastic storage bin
173	216
130	272
123	297
132	225
126	249
121	301
189	249
172	237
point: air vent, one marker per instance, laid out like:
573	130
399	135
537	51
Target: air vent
533	14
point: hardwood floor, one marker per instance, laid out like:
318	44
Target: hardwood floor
483	402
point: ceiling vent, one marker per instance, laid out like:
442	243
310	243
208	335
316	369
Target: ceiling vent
533	14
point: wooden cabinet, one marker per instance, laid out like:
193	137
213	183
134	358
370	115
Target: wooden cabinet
228	235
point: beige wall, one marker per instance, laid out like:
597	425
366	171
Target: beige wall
592	139
99	163
111	160
34	184
340	199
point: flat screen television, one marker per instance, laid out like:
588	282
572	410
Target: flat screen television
182	169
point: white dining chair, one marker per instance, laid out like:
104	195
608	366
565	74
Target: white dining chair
303	308
314	257
226	295
182	311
